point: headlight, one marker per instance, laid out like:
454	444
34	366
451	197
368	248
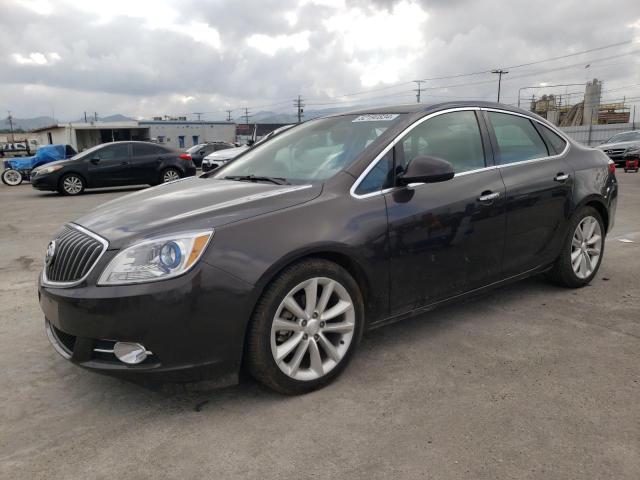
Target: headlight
633	149
156	259
45	170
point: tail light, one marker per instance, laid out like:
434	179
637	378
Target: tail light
612	166
185	156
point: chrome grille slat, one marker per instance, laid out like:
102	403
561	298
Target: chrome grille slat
77	250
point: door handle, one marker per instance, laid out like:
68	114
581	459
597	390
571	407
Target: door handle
488	197
561	177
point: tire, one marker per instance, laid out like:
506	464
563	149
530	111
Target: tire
11	177
71	184
170	175
576	251
297	373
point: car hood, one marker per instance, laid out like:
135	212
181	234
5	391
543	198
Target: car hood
608	146
227	153
190	204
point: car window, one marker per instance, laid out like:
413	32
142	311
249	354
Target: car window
517	138
379	177
140	149
454	137
111	152
554	141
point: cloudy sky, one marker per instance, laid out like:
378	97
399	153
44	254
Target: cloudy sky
144	58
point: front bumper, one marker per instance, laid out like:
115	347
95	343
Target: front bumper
193	324
47	182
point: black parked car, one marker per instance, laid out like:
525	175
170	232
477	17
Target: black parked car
278	261
114	164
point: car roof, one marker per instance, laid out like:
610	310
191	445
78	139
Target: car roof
431	106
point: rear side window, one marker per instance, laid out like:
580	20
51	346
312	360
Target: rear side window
555	142
140	149
518	140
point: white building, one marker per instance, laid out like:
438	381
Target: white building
177	134
181	134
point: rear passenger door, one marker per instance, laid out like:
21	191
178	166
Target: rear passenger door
145	163
539	189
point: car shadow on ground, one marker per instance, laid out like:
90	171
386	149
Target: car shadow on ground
381	341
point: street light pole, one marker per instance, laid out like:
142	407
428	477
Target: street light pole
500	72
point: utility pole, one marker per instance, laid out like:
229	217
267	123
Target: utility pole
10	118
246	115
299	104
85	117
229	115
500	72
95	116
198	114
419	89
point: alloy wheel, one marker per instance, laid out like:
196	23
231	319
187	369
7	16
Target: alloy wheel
170	176
72	185
312	329
586	246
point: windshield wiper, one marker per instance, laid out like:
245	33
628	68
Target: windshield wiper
258	178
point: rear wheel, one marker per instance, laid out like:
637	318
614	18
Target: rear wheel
170	175
71	184
582	251
305	327
11	177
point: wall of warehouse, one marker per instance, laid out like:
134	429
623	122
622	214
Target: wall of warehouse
169	133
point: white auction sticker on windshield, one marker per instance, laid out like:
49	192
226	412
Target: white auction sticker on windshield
375	117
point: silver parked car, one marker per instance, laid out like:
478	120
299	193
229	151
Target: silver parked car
621	144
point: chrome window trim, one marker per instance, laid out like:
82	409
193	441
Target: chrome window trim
468	172
105	245
374	162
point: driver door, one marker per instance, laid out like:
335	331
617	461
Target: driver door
445	238
110	165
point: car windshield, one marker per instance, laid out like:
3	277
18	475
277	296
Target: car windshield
312	151
195	148
624	137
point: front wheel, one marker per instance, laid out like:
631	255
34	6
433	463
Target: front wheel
11	177
305	327
71	184
582	251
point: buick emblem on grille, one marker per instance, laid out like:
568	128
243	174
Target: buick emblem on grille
51	251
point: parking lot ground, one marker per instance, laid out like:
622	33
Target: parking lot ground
532	381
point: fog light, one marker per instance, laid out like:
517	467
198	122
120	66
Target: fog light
130	353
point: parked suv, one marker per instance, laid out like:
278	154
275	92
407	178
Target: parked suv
621	144
114	164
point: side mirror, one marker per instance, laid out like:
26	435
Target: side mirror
95	160
426	170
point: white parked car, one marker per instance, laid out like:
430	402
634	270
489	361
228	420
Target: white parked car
217	159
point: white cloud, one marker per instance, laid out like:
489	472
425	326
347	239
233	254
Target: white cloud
270	45
36	58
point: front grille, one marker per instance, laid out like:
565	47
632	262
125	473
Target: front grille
615	152
75	252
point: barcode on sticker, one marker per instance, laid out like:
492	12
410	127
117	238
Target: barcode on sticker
375	117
